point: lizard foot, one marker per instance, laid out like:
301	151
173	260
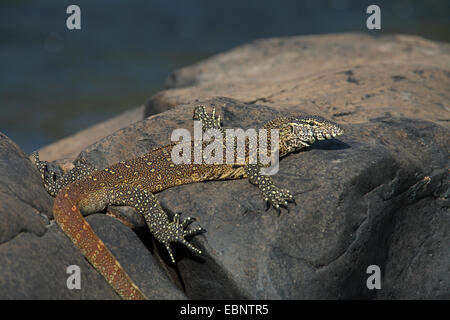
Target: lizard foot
176	231
209	121
48	177
277	197
40	165
54	181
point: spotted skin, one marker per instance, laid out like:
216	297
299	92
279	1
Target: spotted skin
53	184
84	190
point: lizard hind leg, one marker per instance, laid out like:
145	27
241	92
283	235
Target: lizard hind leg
49	177
163	229
52	183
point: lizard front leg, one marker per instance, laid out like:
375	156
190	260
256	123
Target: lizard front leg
164	230
275	196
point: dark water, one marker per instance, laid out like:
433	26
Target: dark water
55	82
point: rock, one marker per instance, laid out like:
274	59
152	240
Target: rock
418	254
377	196
347	77
35	253
67	149
24	205
353	196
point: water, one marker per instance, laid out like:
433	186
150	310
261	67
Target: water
55	82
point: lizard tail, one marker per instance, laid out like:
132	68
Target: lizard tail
71	221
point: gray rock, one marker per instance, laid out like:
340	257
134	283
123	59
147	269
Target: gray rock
35	254
24	204
377	196
346	77
67	149
353	196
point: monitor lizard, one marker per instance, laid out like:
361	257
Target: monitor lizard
84	190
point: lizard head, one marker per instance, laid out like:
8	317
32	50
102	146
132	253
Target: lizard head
302	131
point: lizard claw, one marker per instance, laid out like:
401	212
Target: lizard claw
278	211
284	207
267	204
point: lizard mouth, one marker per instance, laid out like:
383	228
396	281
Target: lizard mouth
328	136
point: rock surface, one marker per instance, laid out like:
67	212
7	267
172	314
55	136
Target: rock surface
347	77
377	196
35	253
68	148
354	196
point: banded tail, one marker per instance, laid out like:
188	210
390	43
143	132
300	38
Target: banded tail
69	218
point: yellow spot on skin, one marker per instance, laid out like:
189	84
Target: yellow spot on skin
85	226
74	208
66	195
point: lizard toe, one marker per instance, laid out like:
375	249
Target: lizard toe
194	231
172	258
186	222
190	246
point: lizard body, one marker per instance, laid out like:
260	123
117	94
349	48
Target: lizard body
133	183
